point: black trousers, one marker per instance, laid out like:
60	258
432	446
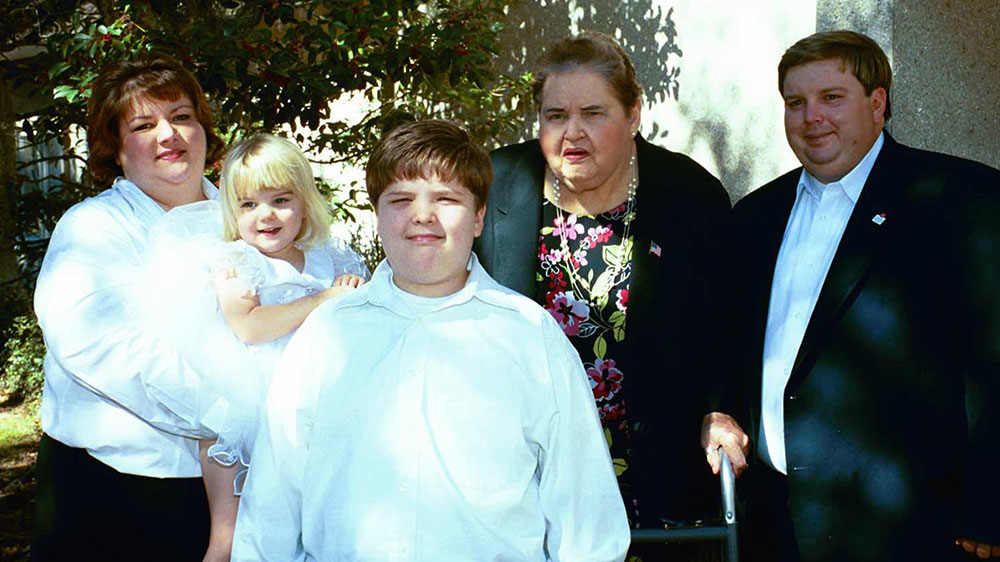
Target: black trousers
767	533
87	510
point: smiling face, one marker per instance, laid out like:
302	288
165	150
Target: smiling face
427	228
163	150
585	133
270	220
830	122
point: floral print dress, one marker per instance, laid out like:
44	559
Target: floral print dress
586	291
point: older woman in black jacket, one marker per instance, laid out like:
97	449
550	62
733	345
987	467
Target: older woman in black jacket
619	240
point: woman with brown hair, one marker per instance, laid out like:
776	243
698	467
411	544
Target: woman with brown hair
619	239
118	466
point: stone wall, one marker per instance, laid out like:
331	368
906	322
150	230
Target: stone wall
946	67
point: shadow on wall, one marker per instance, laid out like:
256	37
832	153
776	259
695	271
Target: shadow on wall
727	147
644	30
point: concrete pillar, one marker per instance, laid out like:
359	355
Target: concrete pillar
946	66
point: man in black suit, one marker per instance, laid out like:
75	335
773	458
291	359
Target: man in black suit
869	331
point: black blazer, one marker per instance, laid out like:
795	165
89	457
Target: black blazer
672	328
892	431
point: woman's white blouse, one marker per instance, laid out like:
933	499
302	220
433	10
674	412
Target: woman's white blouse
110	386
407	428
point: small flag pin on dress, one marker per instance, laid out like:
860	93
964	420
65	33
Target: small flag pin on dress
654	249
879	219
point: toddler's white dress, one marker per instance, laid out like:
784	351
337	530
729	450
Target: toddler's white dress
176	294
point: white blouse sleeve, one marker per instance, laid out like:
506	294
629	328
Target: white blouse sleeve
92	333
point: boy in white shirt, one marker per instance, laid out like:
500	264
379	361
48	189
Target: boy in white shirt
433	414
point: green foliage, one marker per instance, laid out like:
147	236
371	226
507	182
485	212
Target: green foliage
271	66
22	351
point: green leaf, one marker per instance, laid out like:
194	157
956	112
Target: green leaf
603	283
600	300
620	466
600	347
617	318
619	333
611	254
63	92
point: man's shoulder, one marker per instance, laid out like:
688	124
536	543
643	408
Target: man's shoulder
770	192
917	162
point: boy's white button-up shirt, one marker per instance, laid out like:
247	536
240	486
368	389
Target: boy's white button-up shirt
111	387
409	428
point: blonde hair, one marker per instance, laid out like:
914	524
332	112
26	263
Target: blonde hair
267	162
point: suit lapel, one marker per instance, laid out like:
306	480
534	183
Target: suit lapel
862	240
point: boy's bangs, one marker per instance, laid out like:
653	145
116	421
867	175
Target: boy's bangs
426	169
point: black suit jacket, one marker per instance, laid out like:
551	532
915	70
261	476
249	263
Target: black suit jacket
672	328
891	424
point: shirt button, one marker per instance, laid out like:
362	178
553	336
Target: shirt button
412	372
404	487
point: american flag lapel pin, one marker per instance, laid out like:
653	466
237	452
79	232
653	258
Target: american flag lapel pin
879	219
654	249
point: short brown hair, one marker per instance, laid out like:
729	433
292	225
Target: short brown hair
118	87
422	149
264	162
595	52
854	50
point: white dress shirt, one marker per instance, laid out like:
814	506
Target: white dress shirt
407	428
110	386
815	226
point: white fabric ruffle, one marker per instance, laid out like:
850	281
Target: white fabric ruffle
176	296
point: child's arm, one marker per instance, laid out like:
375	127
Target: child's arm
253	322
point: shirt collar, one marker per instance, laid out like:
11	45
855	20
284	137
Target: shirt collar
852	183
382	291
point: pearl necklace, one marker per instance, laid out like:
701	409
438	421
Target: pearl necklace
618	267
